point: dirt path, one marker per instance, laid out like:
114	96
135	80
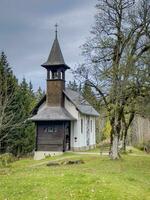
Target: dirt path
91	153
68	157
54	160
142	155
76	154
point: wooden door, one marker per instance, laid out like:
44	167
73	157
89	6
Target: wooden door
67	136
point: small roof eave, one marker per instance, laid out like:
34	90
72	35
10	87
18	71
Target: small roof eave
48	113
37	120
49	65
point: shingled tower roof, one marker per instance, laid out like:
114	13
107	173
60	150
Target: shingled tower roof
55	57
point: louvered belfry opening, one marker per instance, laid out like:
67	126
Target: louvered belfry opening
56	67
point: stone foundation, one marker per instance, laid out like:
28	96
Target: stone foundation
83	148
39	155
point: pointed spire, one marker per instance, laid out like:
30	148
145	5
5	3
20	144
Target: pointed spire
55	57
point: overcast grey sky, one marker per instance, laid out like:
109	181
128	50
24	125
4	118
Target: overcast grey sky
27	33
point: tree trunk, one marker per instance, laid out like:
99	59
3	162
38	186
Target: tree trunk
115	135
126	128
114	154
111	141
125	140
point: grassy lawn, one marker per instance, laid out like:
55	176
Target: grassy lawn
100	149
98	179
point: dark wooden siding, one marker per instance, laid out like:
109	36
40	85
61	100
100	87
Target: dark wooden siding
50	141
55	95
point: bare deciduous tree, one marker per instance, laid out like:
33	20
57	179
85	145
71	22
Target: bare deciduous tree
7	114
114	59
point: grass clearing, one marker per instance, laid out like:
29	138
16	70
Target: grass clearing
98	179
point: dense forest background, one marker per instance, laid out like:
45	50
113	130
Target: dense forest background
16	103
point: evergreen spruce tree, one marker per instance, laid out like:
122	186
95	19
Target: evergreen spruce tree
23	138
89	95
8	89
73	85
16	103
39	94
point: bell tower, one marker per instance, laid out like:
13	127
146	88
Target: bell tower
56	67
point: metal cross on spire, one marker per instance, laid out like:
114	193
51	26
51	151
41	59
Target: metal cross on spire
56	29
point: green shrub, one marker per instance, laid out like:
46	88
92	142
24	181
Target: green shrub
104	146
140	146
147	146
6	159
144	146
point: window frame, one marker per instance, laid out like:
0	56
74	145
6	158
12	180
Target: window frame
91	125
50	129
81	125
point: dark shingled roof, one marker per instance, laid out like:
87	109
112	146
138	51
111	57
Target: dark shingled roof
80	103
35	109
55	57
48	113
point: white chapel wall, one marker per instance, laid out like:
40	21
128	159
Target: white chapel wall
78	138
83	135
74	124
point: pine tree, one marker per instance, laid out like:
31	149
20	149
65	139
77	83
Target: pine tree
73	85
23	139
16	103
89	95
8	89
39	94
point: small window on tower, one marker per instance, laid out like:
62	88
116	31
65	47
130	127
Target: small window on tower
52	129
